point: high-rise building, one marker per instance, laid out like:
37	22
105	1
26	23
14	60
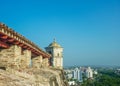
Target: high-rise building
89	73
81	72
77	74
57	54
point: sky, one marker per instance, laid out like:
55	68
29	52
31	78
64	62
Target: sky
88	30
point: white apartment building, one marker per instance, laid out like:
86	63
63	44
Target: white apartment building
77	74
89	73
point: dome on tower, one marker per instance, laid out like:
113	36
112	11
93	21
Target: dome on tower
54	44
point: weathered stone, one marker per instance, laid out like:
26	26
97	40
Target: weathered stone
10	57
13	58
25	59
32	77
37	62
45	62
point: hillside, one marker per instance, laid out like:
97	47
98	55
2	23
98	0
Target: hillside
32	77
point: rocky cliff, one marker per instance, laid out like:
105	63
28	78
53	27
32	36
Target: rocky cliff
32	77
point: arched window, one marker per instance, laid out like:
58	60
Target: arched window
49	52
58	54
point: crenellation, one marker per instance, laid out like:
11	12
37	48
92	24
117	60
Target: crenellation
37	62
45	62
25	59
9	56
13	57
8	33
17	50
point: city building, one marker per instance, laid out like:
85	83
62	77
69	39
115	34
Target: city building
77	74
71	83
69	75
95	72
57	54
117	71
81	72
89	73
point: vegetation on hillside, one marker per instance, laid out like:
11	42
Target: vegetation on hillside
104	78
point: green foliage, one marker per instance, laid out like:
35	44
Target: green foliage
105	78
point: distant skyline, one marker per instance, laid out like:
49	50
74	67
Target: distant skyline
88	30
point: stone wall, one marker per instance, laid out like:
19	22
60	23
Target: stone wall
45	62
25	59
15	58
37	62
17	71
10	57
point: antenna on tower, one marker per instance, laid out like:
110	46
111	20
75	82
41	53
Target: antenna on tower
54	40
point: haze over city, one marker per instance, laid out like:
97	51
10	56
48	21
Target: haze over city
88	30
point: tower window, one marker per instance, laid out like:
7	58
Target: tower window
49	52
58	54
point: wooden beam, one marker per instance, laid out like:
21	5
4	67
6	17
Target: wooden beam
29	48
11	40
3	45
4	37
17	42
25	46
21	44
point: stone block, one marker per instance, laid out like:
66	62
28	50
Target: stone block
25	59
37	62
45	62
10	57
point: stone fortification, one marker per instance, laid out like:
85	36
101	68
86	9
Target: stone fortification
22	63
18	68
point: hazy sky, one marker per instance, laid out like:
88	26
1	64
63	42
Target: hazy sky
89	30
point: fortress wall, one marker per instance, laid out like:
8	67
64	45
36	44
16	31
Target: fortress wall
10	57
37	62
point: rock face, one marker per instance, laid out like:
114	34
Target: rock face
32	77
19	68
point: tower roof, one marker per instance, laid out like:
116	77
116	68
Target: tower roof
54	44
